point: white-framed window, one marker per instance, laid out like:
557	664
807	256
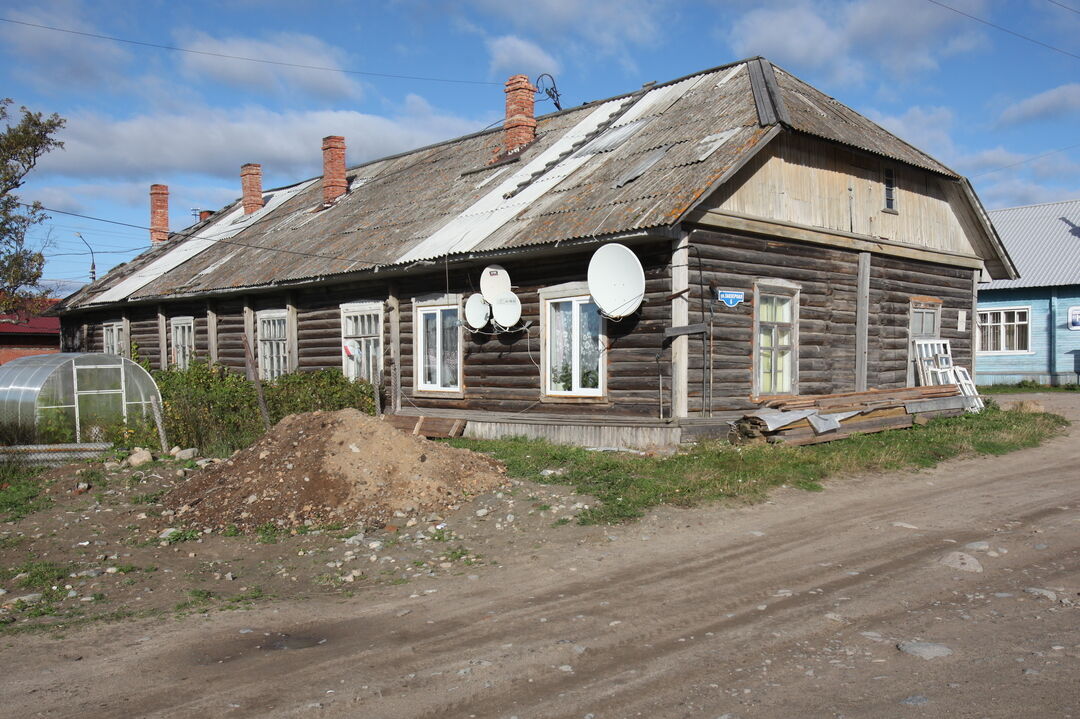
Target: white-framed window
1005	330
182	333
776	337
361	340
272	332
889	180
112	338
438	344
573	342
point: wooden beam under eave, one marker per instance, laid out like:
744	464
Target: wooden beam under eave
716	219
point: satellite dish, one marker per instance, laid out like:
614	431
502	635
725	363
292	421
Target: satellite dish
494	281
616	280
507	309
477	311
351	348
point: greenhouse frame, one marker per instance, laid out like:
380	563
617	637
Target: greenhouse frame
72	396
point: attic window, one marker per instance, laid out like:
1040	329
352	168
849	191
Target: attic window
889	180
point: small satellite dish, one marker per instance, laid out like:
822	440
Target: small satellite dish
494	281
507	309
351	348
616	280
477	311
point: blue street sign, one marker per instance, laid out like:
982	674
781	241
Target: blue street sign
730	297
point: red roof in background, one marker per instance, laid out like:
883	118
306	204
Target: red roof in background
35	326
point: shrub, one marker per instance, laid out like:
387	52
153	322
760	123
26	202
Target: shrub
216	409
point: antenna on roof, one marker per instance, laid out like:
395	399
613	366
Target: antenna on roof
550	90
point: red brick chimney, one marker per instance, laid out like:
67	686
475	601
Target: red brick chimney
159	213
519	128
251	183
333	181
204	215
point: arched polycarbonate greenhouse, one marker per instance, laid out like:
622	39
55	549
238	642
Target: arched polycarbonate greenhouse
71	397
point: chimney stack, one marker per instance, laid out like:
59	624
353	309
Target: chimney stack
159	213
519	128
204	215
334	184
251	183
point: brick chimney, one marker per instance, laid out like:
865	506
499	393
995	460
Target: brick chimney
333	154
519	128
159	213
204	215
251	183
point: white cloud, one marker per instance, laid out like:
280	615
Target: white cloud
927	128
1056	102
1015	192
512	54
850	41
54	61
215	142
288	48
985	161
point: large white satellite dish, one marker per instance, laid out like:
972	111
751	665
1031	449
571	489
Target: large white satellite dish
494	281
507	309
477	311
616	280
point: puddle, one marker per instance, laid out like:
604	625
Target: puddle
287	641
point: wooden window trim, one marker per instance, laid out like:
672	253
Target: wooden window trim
561	293
431	302
1003	353
773	286
260	316
889	195
362	308
118	328
174	324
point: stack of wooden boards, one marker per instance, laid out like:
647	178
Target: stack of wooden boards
848	414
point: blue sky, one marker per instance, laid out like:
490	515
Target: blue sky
974	96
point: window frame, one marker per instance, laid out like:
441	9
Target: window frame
781	288
577	292
265	370
425	305
979	330
117	329
890	199
176	323
362	308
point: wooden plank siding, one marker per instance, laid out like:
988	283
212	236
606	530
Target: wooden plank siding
501	373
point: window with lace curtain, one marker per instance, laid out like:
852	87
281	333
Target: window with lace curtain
573	341
438	345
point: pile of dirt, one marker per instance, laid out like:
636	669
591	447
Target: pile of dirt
323	467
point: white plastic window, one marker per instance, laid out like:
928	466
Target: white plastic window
273	344
439	348
1005	330
183	341
776	344
361	341
574	332
112	338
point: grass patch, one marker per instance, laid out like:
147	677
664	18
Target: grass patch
1026	386
38	574
149	498
626	485
20	491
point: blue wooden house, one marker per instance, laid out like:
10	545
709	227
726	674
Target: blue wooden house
1029	328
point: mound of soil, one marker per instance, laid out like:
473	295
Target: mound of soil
323	467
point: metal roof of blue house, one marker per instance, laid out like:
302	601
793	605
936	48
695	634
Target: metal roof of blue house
1044	243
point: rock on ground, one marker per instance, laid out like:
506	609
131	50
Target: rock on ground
962	561
924	650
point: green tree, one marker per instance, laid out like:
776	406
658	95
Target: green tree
21	145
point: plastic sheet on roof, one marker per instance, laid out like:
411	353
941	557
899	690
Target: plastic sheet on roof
72	396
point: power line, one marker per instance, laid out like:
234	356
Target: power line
1005	29
247	59
1021	162
1070	9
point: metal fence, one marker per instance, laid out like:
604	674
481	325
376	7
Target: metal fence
52	455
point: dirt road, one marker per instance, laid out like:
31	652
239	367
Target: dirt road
792	608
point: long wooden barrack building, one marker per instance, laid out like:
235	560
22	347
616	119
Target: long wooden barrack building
845	242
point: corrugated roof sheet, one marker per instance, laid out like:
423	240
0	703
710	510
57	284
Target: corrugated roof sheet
633	162
1044	242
